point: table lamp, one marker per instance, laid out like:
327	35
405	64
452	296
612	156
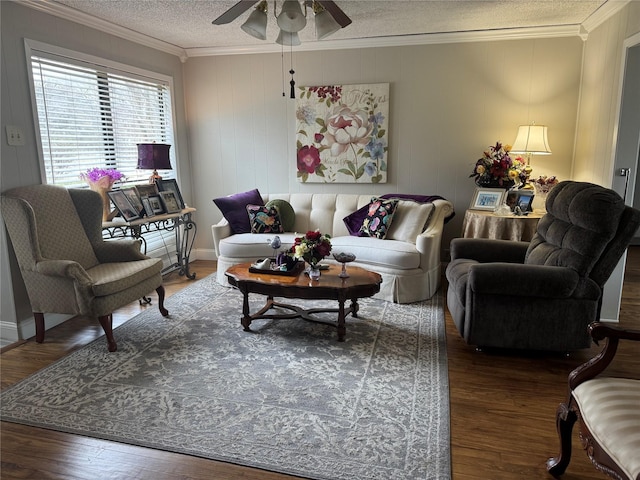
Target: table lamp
531	140
154	156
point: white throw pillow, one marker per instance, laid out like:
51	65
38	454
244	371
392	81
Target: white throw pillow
409	220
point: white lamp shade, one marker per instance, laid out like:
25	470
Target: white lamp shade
325	25
532	139
288	39
291	18
256	24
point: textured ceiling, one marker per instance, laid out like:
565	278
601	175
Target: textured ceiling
187	23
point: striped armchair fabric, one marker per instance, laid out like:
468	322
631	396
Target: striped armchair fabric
607	408
66	265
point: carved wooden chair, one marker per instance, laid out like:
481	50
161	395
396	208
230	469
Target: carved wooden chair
608	409
66	265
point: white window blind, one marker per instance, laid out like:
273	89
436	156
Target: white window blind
91	115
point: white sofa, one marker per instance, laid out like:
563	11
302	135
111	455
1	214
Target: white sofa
410	271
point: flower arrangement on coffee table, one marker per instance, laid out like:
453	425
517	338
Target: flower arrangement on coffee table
312	248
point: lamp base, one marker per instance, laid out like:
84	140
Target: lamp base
154	178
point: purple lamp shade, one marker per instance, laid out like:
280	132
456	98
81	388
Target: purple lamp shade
153	156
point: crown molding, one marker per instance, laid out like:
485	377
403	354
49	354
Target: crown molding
610	8
397	41
62	11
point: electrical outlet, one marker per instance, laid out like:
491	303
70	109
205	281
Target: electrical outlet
15	136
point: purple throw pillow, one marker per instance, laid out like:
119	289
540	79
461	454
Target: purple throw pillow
234	209
353	222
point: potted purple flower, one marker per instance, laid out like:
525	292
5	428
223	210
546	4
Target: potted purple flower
101	180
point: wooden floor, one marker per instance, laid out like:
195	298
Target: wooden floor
502	410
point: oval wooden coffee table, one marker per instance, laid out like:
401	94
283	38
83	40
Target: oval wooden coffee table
360	283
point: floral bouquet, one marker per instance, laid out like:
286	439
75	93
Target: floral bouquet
544	184
497	168
312	248
100	178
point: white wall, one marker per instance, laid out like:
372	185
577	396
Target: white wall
600	89
20	165
448	103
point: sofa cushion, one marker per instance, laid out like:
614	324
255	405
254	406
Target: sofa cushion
287	214
264	219
234	209
379	218
375	252
409	220
253	245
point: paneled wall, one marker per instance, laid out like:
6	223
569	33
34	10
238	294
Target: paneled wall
448	103
19	165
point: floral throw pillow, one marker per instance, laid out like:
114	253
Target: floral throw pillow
379	217
264	219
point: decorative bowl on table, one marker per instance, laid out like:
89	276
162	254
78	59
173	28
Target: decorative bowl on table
344	258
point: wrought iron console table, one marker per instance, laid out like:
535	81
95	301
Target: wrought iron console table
180	222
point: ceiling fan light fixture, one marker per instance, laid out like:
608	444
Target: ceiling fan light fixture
325	25
256	24
291	19
288	39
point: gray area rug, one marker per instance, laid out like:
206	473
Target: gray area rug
287	397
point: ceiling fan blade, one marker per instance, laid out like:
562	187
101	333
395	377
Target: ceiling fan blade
336	12
234	12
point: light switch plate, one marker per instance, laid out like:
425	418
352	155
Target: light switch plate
15	136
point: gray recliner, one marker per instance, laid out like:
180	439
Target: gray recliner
542	295
66	265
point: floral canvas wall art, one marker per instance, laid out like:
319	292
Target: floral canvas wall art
341	133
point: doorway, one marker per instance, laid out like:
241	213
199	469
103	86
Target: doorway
626	158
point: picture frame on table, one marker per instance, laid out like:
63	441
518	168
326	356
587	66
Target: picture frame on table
148	209
156	204
171	185
170	202
487	198
146	189
525	200
124	206
134	198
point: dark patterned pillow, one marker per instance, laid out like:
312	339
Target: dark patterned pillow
264	219
379	217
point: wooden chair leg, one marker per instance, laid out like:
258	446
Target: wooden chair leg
160	291
565	419
107	325
39	318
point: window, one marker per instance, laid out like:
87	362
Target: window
93	115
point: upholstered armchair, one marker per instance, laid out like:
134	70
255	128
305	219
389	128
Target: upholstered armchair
608	409
66	266
541	295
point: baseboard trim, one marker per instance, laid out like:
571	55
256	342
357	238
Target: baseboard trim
203	254
26	328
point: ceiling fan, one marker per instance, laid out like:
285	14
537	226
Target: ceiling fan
329	18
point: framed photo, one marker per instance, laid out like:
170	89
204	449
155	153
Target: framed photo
122	203
148	209
525	200
171	185
487	198
134	198
147	189
170	202
156	204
